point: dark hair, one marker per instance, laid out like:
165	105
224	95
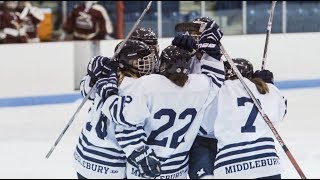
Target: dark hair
179	79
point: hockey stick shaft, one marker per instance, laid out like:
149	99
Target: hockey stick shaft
269	27
69	123
94	87
264	116
131	31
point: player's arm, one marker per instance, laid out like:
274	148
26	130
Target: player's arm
211	63
129	114
97	68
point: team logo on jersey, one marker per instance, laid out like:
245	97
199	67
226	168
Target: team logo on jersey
84	21
201	172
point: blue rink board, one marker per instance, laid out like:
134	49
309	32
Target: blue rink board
70	98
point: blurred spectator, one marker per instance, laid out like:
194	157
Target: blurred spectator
88	21
1	6
31	17
11	30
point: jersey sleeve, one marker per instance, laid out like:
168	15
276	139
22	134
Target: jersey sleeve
127	110
129	113
130	138
282	102
85	87
214	69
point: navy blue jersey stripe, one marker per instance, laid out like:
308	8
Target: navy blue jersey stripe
213	79
175	163
131	131
122	119
219	79
212	69
100	153
174	156
237	160
175	170
100	161
204	132
241	151
109	149
127	138
132	143
266	139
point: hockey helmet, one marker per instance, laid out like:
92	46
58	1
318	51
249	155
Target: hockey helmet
137	57
175	60
244	66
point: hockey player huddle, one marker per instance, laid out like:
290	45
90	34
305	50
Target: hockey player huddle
178	113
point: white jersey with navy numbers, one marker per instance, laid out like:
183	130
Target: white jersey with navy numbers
98	154
206	128
164	116
246	147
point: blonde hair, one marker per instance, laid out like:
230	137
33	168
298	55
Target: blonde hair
122	73
261	86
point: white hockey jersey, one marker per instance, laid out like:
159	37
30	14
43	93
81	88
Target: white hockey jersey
246	147
98	154
164	116
206	128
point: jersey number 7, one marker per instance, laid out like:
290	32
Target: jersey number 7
248	127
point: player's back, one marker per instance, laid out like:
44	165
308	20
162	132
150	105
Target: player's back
172	119
173	109
245	142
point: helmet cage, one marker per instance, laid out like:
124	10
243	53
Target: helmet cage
146	64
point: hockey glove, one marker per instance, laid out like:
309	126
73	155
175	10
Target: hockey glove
184	42
209	40
265	75
99	67
107	86
146	161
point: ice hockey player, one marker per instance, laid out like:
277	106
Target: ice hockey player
204	149
98	154
158	122
245	142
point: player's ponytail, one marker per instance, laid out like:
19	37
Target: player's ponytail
261	85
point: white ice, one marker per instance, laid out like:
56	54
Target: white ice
27	134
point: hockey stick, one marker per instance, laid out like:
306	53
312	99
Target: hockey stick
269	27
94	87
264	116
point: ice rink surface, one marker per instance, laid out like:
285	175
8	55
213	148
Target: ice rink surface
28	132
